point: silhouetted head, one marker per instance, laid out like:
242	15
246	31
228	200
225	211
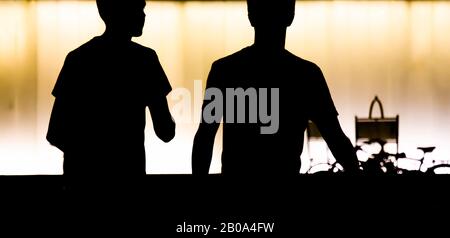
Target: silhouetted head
124	17
271	13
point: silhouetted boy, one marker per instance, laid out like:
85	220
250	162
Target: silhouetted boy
98	117
303	95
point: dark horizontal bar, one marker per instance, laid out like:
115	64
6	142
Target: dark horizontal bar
231	0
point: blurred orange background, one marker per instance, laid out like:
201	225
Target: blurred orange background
398	50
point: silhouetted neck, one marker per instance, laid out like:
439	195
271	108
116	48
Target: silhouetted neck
115	37
270	41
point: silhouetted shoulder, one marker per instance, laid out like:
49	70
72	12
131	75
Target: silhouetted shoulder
323	105
156	79
241	56
84	49
248	55
97	44
304	64
144	50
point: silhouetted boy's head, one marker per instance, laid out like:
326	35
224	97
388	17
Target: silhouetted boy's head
124	16
271	13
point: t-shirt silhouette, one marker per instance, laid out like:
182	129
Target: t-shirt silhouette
303	96
105	87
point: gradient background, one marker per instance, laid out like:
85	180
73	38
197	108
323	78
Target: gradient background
397	50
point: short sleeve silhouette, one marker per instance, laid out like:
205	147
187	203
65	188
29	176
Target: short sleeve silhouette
304	95
320	103
269	95
156	81
104	88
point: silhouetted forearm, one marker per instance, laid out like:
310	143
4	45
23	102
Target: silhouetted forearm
339	144
203	149
166	131
345	154
56	130
163	123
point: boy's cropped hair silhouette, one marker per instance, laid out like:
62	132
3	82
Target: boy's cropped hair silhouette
101	95
303	96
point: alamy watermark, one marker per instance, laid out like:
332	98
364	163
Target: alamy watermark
187	108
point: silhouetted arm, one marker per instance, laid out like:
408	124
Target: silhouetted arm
324	114
338	142
56	131
203	148
159	86
163	123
